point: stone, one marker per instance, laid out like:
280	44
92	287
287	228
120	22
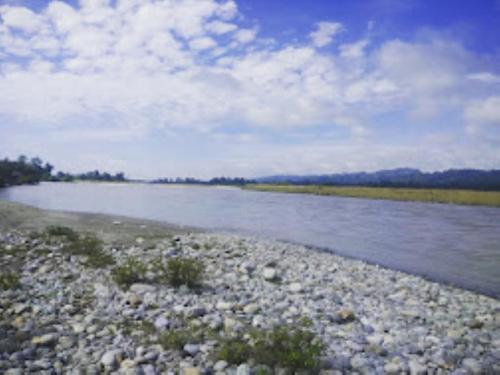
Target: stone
142	288
66	342
472	365
161	323
20	308
296	287
392	368
344	316
475	324
269	273
191	349
243	369
190	371
220	365
78	328
416	368
111	358
134	300
223	305
128	364
44	340
251	308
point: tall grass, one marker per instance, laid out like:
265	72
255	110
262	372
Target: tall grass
467	197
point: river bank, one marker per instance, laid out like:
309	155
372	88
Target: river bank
65	316
449	196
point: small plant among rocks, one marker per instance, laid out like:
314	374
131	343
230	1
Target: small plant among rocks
234	350
130	272
61	231
176	339
180	271
92	248
9	280
286	347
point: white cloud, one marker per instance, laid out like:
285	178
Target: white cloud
324	33
19	18
192	65
220	27
485	77
483	112
245	35
199	44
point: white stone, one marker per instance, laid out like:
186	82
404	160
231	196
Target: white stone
47	339
243	369
220	365
251	308
142	288
161	322
191	349
296	287
416	368
223	305
110	358
472	365
269	273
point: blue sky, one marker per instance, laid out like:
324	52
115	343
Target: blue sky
250	87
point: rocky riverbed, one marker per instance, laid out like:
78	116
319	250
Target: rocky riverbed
62	316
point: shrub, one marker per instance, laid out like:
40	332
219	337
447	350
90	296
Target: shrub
234	351
180	271
128	273
9	280
175	340
61	231
287	347
91	247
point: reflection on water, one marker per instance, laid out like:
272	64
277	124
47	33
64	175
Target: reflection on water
456	244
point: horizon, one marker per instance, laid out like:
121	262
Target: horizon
210	88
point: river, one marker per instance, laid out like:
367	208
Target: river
449	243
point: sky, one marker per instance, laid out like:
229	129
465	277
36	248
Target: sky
204	88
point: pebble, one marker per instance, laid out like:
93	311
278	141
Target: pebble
371	320
48	339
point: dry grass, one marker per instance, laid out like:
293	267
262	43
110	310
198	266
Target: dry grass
467	197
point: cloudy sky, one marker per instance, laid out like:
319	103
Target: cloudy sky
250	87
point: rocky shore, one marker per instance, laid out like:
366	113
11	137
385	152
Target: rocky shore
63	312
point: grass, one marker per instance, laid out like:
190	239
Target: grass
130	272
466	197
61	231
180	271
9	280
92	248
176	339
284	346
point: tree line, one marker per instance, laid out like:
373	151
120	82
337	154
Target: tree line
237	181
32	171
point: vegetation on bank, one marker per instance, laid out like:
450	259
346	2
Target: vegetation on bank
31	171
467	197
237	181
23	171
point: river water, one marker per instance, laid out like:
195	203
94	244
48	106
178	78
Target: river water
449	243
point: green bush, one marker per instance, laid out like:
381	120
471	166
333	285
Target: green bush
128	273
234	351
91	247
9	280
62	231
175	340
180	271
287	347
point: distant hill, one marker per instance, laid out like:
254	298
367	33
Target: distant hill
401	177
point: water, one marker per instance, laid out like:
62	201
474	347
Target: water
454	244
